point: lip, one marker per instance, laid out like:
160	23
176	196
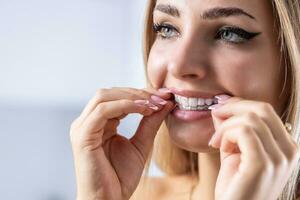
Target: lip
189	116
195	94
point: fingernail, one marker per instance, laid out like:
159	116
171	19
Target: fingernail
212	140
146	103
141	102
158	100
215	106
164	90
222	98
152	106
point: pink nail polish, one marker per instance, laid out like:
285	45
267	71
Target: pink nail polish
222	98
141	102
164	90
215	106
158	100
212	139
146	103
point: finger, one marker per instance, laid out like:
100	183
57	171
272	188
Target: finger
147	129
266	112
110	129
112	125
248	142
104	95
122	116
154	96
218	120
149	90
146	113
109	110
252	121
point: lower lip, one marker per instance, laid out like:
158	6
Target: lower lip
188	116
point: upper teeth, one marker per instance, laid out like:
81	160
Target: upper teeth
194	102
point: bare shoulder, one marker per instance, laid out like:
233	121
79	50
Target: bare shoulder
166	187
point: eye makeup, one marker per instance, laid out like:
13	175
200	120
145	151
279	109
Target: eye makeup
235	34
162	30
230	34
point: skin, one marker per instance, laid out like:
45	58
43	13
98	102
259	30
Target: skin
190	58
196	61
109	166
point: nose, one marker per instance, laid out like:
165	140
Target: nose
189	60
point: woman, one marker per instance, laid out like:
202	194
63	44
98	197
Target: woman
228	73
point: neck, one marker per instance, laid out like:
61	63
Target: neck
209	166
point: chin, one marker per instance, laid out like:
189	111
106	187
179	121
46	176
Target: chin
191	136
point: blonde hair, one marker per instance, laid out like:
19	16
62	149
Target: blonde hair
167	156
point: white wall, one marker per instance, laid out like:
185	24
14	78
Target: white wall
62	51
54	54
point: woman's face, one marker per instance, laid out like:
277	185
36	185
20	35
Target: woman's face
215	46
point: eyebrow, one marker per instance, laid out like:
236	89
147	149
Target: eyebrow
212	13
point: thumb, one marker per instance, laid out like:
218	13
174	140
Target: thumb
222	100
148	127
217	121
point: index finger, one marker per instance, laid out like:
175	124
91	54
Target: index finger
264	110
115	93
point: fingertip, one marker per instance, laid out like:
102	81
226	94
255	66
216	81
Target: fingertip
214	112
164	96
164	90
170	106
148	112
215	107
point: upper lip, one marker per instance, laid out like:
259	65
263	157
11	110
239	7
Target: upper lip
195	94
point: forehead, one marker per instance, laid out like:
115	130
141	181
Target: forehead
260	10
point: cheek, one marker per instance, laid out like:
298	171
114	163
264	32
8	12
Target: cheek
250	75
157	66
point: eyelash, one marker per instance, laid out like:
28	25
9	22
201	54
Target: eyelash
157	28
243	35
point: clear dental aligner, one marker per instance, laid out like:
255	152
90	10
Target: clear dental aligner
185	103
205	107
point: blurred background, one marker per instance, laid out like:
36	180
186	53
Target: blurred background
54	55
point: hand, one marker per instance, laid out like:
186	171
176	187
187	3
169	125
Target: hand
108	166
257	154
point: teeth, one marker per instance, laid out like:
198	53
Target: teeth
184	100
177	98
208	101
182	107
194	103
201	102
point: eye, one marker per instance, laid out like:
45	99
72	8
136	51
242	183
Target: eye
165	31
235	35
